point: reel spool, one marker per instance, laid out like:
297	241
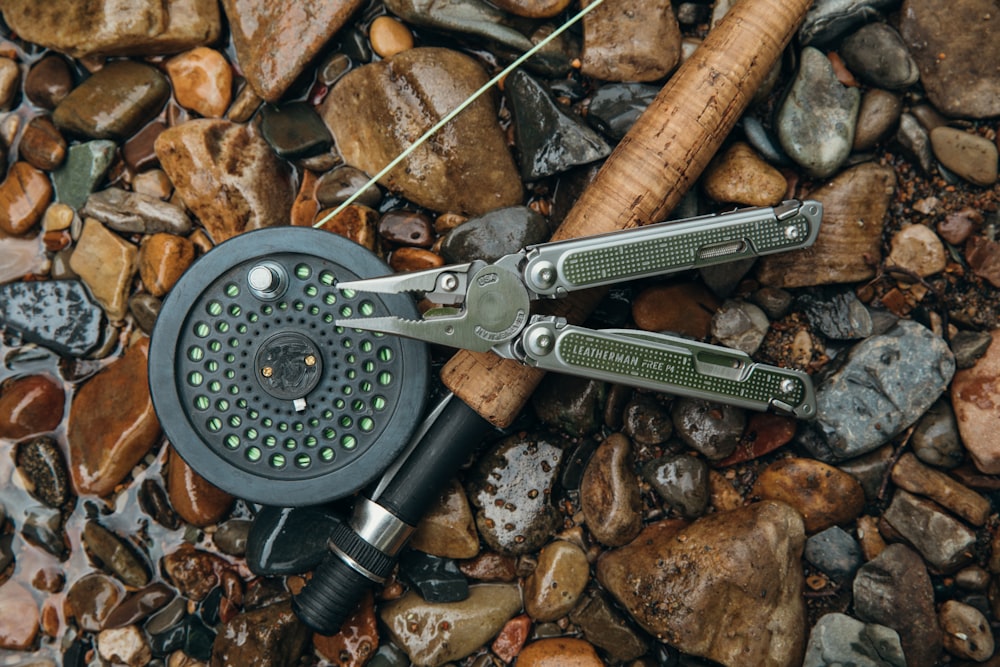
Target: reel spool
261	393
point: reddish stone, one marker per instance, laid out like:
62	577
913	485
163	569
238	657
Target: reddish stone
683	308
512	637
414	259
195	573
162	260
18	617
357	639
111	423
983	256
24	196
192	496
489	566
765	432
30	404
957	226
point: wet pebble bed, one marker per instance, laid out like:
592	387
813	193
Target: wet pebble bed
608	525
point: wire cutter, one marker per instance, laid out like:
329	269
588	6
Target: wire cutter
487	306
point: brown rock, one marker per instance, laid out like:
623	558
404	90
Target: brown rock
24	196
414	259
728	587
272	636
106	263
389	36
944	542
92	598
375	111
533	9
957	226
202	81
227	175
111	423
42	146
631	40
162	259
765	432
490	566
848	248
822	494
917	249
553	589
448	528
30	404
878	115
975	397
683	308
609	493
357	639
18	617
48	81
276	39
741	176
912	475
194	572
965	631
970	156
983	256
559	652
356	222
195	499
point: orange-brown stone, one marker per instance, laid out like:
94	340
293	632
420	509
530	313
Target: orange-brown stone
559	652
194	498
30	404
824	495
24	195
684	308
162	260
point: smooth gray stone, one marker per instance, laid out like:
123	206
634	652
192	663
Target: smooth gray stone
492	235
876	53
838	640
835	552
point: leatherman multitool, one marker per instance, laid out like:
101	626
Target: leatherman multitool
486	306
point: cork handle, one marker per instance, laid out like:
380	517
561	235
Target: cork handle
649	171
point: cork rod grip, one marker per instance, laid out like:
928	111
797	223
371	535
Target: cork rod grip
649	171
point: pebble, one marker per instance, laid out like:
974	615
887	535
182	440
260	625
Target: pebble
870	470
162	259
511	638
569	403
735	570
681	481
139	605
740	325
970	156
434	633
895	590
816	121
42	146
91	599
231	537
435	579
614	107
855	205
144	307
19	617
876	53
337	185
294	130
404	227
492	235
740	176
111	551
631	41
646	420
85	166
43	470
288	540
414	259
838	639
114	102
878	116
609	493
138	151
910	474
193	498
106	263
48	81
605	627
469	170
559	652
975	398
389	36
448	529
357	223
918	250
193	572
836	314
30	404
886	383
198	156
681	308
20	257
983	257
134	212
834	552
511	489
963	32
965	631
490	566
555	586
357	641
111	423
43	527
915	143
828	20
24	196
57	314
957	226
764	433
822	494
124	646
10	80
202	81
535	9
271	635
712	429
944	542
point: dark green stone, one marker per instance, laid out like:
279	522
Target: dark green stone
294	130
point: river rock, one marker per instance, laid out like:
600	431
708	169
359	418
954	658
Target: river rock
24	196
975	398
849	246
106	263
822	494
935	439
57	314
816	121
492	235
838	639
910	474
533	8
111	423
289	540
739	570
828	20
272	635
92	598
740	325
448	528
433	633
42	467
133	212
555	586
372	114
42	146
195	499
837	314
18	617
615	107
48	81
963	32
434	579
944	542
111	552
114	102
681	481
876	53
684	308
194	572
559	652
124	646
162	260
609	493
966	631
710	428
740	176
202	80
835	552
30	404
604	626
227	175
968	155
294	130
877	117
631	41
85	166
895	590
917	249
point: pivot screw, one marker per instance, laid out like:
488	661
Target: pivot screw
267	371
449	282
539	342
267	280
310	360
543	275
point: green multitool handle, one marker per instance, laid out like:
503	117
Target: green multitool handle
553	269
667	364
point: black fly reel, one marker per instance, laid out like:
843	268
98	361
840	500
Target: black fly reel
261	393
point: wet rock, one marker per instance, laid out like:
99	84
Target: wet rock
605	627
894	590
371	115
764	433
138	151
570	403
43	470
681	585
357	223
24	196
133	212
200	155
405	227
57	314
915	143
533	8
91	600
43	527
85	167
683	308
285	540
511	638
970	156
42	146
555	651
511	489
436	579
433	633
10	80
124	646
646	421
448	528
111	423
272	635
876	53
491	236
886	384
710	428
162	259
839	315
615	107
132	27
966	632
48	81
681	481
828	20
111	552
962	31
114	102
195	499
631	41
740	176
414	259
609	493
294	130
855	205
30	404
915	477
18	617
389	36
740	325
20	257
943	541
139	605
231	537
822	494
974	397
816	121
838	639
202	80
554	588
877	117
490	566
275	41
337	185
356	642
834	552
194	572
106	263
